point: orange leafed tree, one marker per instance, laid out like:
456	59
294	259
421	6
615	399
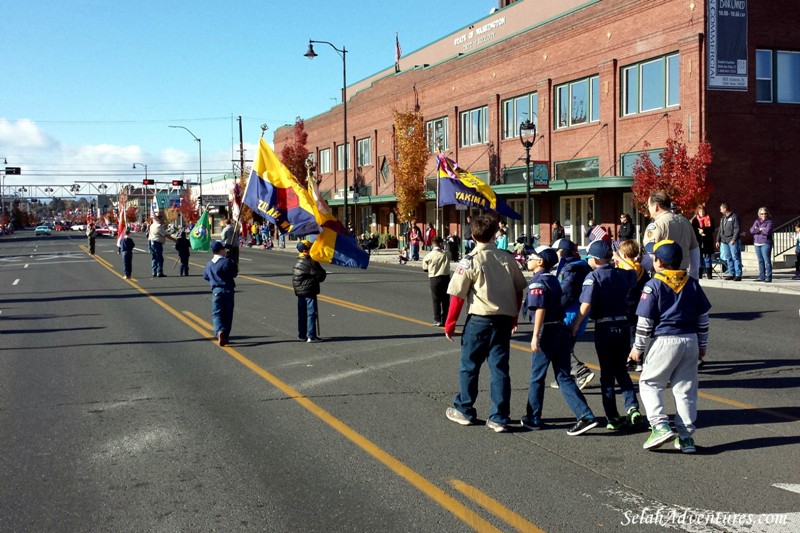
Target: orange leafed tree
684	177
294	152
188	208
409	167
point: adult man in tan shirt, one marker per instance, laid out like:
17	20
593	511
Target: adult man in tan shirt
156	237
674	227
437	265
491	283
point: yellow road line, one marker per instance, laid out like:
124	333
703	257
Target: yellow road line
496	508
449	503
199	320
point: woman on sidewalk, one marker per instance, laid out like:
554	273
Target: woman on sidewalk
762	238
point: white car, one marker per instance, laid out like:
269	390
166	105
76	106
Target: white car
78	227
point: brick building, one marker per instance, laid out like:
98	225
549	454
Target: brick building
598	78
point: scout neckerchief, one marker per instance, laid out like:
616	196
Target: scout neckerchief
674	279
626	264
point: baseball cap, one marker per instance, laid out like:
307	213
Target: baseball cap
669	252
599	249
564	244
545	253
217	246
303	246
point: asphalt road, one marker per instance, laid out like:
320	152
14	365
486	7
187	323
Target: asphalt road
119	412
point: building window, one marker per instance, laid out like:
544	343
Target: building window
518	110
628	160
363	157
340	155
778	76
385	169
650	85
577	102
475	126
437	134
324	165
578	168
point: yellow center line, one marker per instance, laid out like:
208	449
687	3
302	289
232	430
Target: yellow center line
496	508
449	503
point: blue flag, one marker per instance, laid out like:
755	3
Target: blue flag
457	186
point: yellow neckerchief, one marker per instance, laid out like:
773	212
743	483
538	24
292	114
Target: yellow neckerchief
674	279
626	264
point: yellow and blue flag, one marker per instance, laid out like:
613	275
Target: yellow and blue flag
457	186
334	244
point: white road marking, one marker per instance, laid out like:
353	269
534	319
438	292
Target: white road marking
788	486
15	281
26	265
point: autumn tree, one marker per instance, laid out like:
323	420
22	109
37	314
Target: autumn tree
188	208
294	153
682	176
411	151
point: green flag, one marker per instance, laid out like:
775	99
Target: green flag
200	236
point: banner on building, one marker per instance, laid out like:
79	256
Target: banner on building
727	45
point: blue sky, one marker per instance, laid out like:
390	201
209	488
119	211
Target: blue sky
91	86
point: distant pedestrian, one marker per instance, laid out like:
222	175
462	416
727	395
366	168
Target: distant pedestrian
415	240
183	248
91	236
626	229
703	226
403	256
437	265
430	234
762	238
558	231
126	246
157	235
729	241
220	273
306	278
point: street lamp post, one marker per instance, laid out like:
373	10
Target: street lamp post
144	186
527	136
200	157
343	53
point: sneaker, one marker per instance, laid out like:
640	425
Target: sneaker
554	385
437	324
531	423
638	367
497	427
634	416
796	276
313	340
660	435
584	379
737	278
618	423
583	425
457	416
685	445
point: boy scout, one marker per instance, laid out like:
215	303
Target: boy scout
437	265
491	283
668	225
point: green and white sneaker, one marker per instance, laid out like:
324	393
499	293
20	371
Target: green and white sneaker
634	416
660	435
685	445
618	423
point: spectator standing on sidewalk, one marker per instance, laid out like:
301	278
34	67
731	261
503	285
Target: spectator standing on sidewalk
762	238
729	241
437	265
703	226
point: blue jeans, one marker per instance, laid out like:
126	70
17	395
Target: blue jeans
415	252
306	317
222	310
127	263
485	338
554	348
734	255
157	253
764	255
612	342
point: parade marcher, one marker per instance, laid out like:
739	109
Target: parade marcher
729	241
550	345
491	284
703	226
306	277
469	244
762	238
796	251
571	272
437	265
453	246
183	248
628	259
157	235
220	273
672	226
626	228
126	246
604	298
91	236
674	310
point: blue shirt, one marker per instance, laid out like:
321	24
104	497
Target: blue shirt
673	313
606	288
544	292
219	273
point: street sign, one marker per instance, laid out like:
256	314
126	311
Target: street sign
10	171
215	199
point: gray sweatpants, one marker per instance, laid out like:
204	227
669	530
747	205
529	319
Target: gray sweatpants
671	359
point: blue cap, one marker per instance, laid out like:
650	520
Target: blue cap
669	252
564	244
599	249
548	255
217	246
303	246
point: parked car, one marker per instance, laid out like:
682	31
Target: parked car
78	227
105	230
41	230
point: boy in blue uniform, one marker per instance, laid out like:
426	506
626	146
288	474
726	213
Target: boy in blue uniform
551	343
674	310
219	273
604	296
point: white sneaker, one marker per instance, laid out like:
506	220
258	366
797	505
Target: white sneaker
584	379
457	416
497	427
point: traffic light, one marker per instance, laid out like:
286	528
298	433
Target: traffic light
148	182
177	183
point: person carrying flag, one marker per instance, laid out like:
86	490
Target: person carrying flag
306	277
220	273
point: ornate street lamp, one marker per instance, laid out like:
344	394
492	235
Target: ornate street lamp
527	136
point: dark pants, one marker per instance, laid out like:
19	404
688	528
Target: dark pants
91	245
612	342
184	265
127	263
222	310
441	300
307	313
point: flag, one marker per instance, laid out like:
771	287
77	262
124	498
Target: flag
122	217
235	199
200	236
457	186
334	244
397	52
274	193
